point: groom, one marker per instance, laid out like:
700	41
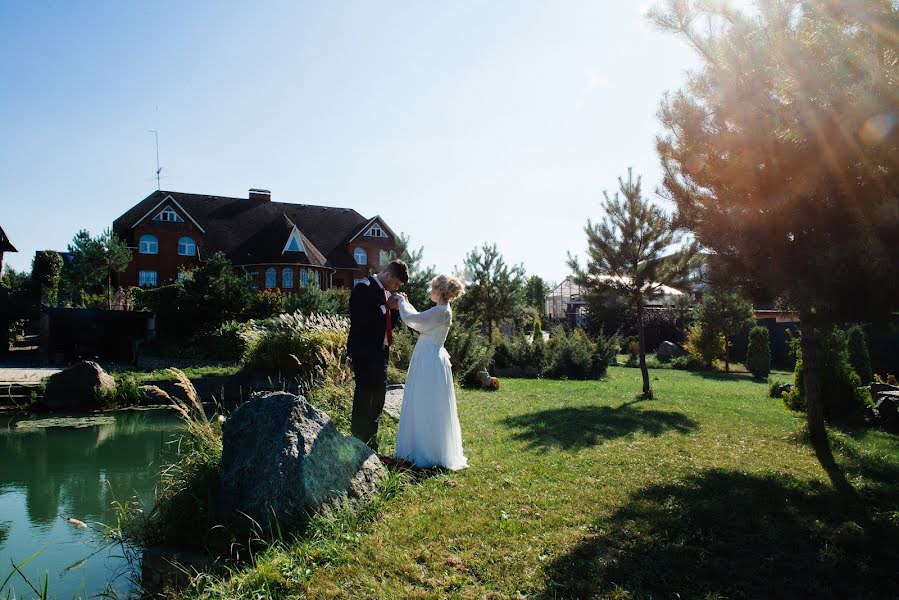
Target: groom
368	346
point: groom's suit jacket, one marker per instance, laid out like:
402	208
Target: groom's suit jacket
368	320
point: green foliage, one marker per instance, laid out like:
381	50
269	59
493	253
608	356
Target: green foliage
418	288
726	313
96	259
469	353
841	391
267	303
337	401
758	352
687	362
312	300
704	344
128	392
535	292
226	342
858	353
45	274
402	347
494	291
297	344
571	356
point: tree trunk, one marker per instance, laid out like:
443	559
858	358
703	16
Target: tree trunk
814	408
726	354
647	391
109	290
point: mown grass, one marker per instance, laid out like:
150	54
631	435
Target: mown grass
577	490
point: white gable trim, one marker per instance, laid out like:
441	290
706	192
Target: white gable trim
173	201
372	221
294	235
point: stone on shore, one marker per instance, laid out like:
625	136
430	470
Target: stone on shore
668	350
284	458
81	387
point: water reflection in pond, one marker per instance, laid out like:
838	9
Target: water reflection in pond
58	469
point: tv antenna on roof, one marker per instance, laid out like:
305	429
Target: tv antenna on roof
158	168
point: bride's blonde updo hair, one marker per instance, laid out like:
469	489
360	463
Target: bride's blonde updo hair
448	286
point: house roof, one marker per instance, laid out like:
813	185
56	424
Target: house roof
5	244
253	232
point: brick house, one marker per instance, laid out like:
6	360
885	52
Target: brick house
5	246
281	245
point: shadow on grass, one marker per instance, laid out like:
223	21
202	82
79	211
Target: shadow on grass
729	534
582	427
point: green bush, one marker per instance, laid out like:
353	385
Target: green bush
311	300
704	344
538	350
570	356
297	344
469	353
267	303
606	349
504	353
858	353
758	352
402	347
840	393
687	362
228	341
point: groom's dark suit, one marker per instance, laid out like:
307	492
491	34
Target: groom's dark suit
368	349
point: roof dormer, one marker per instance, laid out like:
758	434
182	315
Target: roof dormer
294	242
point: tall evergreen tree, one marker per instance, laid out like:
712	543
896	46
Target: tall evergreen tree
726	313
45	271
782	156
495	291
95	259
630	253
535	293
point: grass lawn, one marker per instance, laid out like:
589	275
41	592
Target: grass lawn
577	490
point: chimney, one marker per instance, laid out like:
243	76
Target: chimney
261	195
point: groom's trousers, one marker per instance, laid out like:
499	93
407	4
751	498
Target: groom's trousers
368	401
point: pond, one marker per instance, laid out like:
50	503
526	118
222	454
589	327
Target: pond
53	469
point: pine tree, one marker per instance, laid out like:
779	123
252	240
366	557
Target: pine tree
535	293
781	157
494	290
630	253
96	259
726	313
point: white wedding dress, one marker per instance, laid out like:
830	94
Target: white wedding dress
429	434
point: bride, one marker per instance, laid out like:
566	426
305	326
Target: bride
429	434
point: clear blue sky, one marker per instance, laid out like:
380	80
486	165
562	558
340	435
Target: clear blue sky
458	121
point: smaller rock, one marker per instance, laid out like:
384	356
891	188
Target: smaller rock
668	350
81	387
393	402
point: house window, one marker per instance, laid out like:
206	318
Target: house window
318	279
376	231
360	256
270	278
146	279
149	244
187	247
287	278
393	255
168	214
357	281
304	277
384	258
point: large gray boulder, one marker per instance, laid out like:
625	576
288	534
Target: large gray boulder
284	458
81	387
668	350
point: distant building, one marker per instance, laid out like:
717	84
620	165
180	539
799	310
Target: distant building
5	246
566	301
280	245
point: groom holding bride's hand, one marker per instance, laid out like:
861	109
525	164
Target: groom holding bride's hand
372	304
